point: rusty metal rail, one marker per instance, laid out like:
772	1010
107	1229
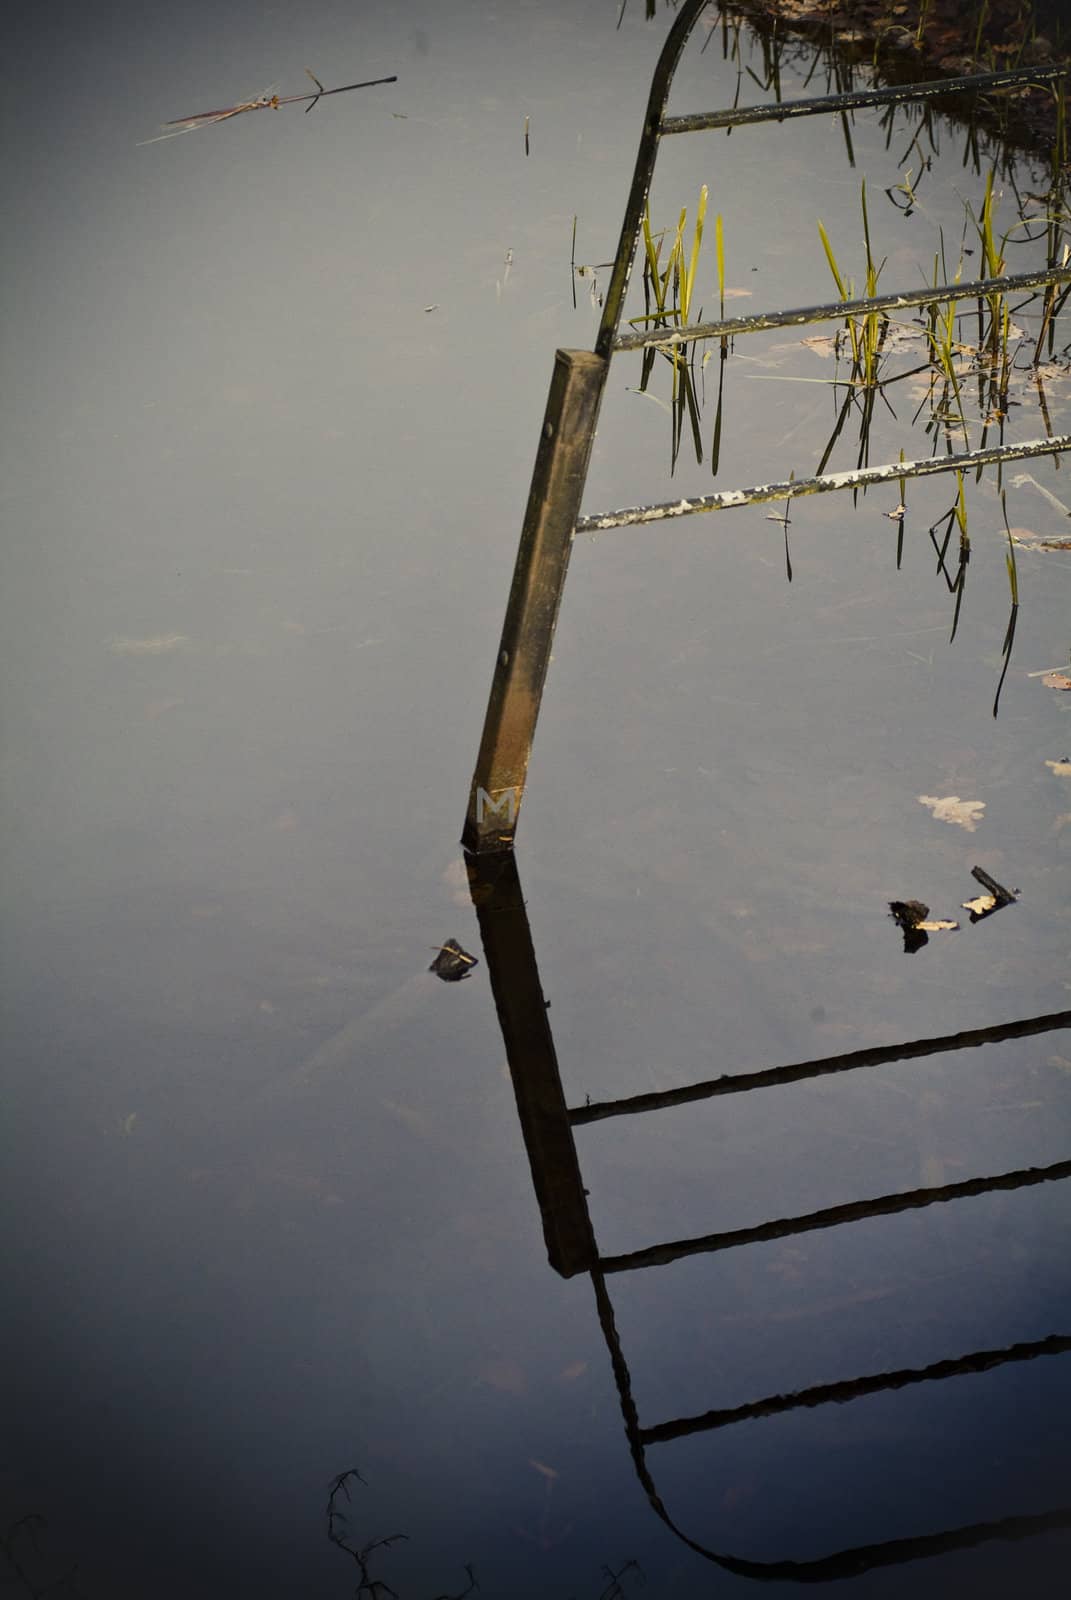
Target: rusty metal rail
552	517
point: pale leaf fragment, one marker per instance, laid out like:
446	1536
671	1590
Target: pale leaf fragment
503	1374
935	927
1062	769
981	905
548	1472
161	645
950	808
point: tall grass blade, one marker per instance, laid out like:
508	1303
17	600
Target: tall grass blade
719	248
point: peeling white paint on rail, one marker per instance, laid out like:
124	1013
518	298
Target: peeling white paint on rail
836	310
791	489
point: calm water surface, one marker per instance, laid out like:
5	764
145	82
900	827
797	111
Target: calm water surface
275	393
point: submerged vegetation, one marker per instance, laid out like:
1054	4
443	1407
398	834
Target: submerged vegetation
976	338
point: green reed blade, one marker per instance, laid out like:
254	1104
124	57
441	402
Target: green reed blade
831	258
688	279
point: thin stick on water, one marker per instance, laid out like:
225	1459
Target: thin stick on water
572	263
263	102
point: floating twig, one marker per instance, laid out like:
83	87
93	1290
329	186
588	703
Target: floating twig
263	102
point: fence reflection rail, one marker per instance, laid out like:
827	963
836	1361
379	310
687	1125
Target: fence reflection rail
548	1124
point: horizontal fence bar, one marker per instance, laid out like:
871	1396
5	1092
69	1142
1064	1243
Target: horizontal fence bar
798	1072
792	488
886	1205
825	1394
896	94
978	288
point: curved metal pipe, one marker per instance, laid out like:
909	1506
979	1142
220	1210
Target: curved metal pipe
643	172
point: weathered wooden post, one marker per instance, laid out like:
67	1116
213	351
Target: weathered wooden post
538	579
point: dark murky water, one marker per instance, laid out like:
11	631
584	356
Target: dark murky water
270	1214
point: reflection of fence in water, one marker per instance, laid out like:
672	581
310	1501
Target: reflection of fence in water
547	1124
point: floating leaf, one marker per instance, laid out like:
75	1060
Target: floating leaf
503	1374
159	646
1029	540
452	963
908	915
913	918
950	808
996	895
1056	680
1062	769
540	1466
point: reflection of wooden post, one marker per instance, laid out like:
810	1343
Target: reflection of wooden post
538	579
537	1084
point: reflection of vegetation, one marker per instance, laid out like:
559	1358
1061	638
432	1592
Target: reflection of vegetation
27	1565
372	1588
361	1555
614	1590
900	40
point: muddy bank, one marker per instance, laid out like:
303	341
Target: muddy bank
915	40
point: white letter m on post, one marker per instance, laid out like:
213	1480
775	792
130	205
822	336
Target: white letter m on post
506	803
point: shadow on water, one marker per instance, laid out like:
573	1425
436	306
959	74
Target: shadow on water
548	1124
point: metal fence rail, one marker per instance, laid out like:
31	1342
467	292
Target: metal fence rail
552	517
793	488
668	339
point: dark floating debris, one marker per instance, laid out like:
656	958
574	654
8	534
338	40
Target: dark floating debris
907	914
912	918
984	905
452	964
